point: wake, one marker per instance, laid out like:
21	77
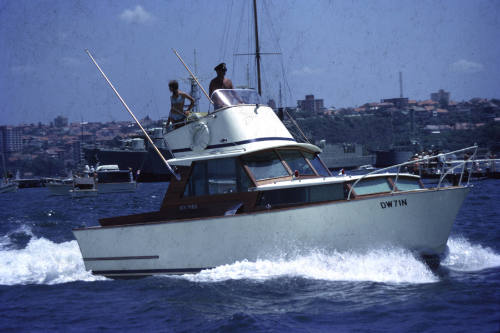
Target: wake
45	262
394	265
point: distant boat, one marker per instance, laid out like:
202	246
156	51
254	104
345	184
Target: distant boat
105	179
60	186
81	193
8	186
344	155
27	182
110	179
83	187
397	155
479	169
137	154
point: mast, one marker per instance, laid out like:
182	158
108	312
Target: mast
257	49
401	84
280	100
4	167
194	87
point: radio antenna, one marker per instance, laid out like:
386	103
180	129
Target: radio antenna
133	116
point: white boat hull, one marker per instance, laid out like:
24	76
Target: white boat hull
7	188
76	193
420	221
59	189
64	189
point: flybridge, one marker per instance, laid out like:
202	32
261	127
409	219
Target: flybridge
238	126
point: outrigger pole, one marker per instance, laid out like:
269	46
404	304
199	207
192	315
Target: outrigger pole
192	75
133	116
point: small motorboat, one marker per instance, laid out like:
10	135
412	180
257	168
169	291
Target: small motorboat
60	186
8	186
83	187
110	179
82	193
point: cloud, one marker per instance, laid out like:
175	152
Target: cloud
22	69
465	66
306	70
136	15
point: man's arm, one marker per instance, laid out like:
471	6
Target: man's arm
228	84
211	88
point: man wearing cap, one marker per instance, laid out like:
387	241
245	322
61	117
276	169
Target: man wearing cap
220	82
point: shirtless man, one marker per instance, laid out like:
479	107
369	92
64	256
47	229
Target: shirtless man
220	82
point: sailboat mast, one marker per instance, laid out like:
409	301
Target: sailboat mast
257	49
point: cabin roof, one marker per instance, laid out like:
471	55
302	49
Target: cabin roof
186	160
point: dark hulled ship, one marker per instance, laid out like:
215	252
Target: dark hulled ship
136	154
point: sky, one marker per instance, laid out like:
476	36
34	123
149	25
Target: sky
346	52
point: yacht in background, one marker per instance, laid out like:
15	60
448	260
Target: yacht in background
83	187
136	154
110	179
60	186
7	186
104	179
344	155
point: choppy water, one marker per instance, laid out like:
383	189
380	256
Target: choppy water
44	286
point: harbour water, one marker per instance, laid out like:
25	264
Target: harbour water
44	286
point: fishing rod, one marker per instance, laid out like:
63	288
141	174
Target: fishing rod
133	116
192	75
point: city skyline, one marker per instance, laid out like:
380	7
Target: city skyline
346	53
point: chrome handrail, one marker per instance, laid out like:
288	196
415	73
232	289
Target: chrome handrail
425	159
471	161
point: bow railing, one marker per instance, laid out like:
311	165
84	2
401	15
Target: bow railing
466	165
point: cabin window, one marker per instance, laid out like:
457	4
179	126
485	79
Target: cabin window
372	186
296	162
217	176
265	165
317	164
299	195
197	184
328	192
408	184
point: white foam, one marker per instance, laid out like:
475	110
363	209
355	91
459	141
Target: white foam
43	262
46	262
4	241
384	265
466	257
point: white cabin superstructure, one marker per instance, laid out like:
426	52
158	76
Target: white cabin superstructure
247	189
240	126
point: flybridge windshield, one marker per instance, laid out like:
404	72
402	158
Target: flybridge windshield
230	97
